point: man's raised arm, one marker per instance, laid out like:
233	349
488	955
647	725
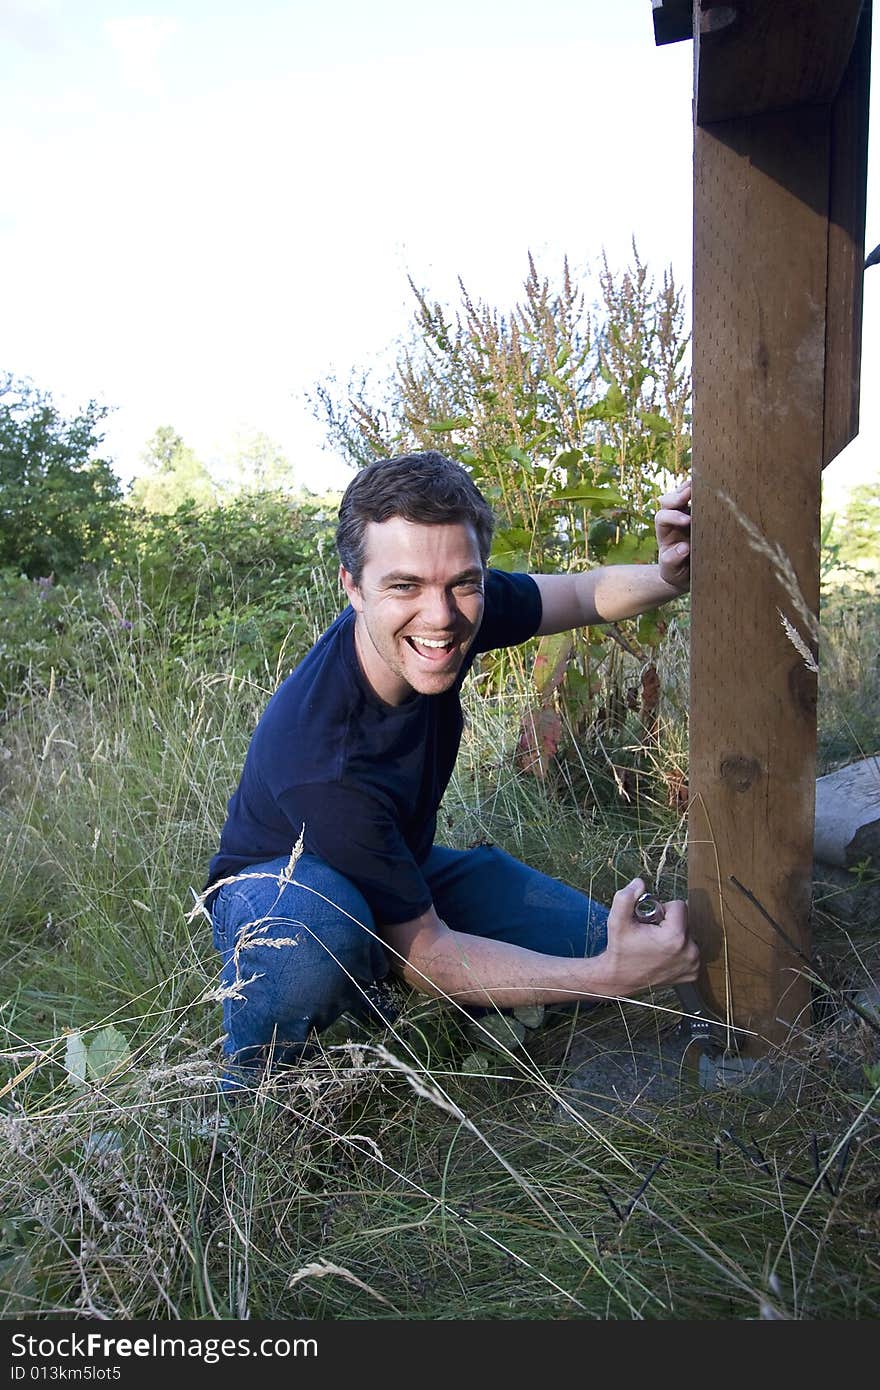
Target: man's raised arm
612	592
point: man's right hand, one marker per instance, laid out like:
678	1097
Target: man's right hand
639	955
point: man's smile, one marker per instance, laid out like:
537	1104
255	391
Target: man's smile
432	648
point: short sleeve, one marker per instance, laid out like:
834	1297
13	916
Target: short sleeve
512	612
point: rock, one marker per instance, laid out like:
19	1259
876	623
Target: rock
845	896
640	1075
848	815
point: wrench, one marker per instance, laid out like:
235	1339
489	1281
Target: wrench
699	1024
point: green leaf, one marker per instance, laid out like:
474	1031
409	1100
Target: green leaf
107	1052
605	496
656	423
568	458
546	432
498	1032
477	1064
562	356
650	628
455	422
75	1059
553	380
602	533
516	536
631	550
551	660
517	456
615	401
510	549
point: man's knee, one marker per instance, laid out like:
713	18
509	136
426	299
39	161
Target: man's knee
296	955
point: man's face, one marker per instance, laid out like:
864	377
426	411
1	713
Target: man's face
419	604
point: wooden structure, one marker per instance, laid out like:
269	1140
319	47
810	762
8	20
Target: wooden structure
780	169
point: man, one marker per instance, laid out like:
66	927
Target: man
327	875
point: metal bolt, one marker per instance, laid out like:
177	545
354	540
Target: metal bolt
649	909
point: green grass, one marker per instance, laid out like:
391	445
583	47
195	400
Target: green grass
408	1174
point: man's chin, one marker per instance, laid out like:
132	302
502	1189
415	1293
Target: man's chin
433	683
428	682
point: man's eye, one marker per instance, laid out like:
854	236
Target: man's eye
470	586
403	588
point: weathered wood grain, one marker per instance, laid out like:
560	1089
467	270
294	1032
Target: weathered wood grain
760	261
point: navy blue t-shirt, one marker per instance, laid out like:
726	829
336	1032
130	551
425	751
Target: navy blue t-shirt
360	779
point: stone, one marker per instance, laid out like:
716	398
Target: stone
848	815
849	898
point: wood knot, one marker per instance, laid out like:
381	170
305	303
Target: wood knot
762	359
803	687
738	771
714	17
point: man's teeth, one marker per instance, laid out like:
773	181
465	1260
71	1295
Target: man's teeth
427	642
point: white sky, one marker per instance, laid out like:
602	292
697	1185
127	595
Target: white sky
213	206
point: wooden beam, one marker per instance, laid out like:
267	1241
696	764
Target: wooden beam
757	56
846	245
760	260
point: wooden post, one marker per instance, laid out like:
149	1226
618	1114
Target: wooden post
760	252
779	177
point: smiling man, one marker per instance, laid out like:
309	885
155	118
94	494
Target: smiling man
351	758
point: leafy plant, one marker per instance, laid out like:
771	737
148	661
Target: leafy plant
240	575
42	626
856	533
96	1058
60	504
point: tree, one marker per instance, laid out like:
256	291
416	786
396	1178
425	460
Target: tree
859	532
59	501
174	475
256	463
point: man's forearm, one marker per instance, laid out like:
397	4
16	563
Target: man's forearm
477	971
613	592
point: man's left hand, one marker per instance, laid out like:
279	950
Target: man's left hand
673	527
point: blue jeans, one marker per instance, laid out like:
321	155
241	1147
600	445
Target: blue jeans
297	954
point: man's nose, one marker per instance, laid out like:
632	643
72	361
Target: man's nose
440	609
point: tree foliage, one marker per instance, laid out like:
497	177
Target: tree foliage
59	501
858	532
173	475
239	576
257	463
562	415
249	585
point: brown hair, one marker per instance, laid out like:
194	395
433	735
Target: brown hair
424	487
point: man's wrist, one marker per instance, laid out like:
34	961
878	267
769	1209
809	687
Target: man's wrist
675	589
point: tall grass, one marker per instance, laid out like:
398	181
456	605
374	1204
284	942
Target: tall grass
849	686
415	1173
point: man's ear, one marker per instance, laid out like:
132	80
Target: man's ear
352	591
